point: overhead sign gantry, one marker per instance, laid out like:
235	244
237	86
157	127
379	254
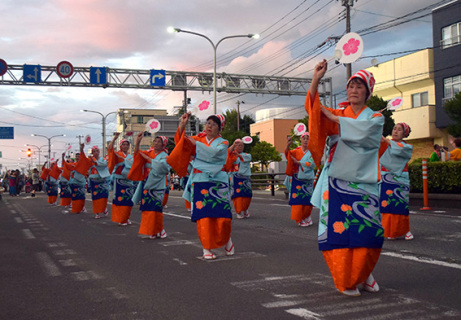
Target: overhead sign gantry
64	74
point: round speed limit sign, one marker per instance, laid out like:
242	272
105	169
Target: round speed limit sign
64	69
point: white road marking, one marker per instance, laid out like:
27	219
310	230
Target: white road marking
13	211
177	243
18	220
423	260
176	215
85	275
28	234
56	244
67	263
48	265
181	263
64	252
237	256
304	313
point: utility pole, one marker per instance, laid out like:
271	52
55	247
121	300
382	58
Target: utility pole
79	140
348	4
238	113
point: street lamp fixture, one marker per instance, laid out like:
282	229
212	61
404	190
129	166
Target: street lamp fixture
49	143
104	117
215	47
39	150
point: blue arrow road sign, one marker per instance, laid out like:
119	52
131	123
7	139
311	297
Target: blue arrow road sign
6	132
157	78
32	73
98	75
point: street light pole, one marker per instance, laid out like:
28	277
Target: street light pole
104	117
215	47
39	151
49	143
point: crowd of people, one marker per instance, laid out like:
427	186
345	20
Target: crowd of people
359	206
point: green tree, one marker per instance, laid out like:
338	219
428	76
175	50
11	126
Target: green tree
453	109
231	123
377	104
230	132
265	153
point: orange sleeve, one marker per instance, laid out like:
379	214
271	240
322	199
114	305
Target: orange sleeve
55	172
112	159
137	168
180	156
231	158
319	127
290	164
382	148
83	165
45	173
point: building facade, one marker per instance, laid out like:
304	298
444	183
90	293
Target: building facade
446	32
132	121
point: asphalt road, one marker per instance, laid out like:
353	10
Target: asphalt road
59	265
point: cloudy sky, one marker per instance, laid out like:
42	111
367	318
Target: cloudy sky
133	35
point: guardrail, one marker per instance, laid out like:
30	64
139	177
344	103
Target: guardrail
271	182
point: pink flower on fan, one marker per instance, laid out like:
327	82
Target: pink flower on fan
247	139
351	47
153	125
129	133
301	128
204	105
396	102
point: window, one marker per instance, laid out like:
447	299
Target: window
451	86
139	119
451	35
419	99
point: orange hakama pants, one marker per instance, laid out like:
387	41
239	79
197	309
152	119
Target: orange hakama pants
52	199
165	199
395	225
121	214
77	206
241	204
65	202
151	223
99	205
214	232
350	266
300	212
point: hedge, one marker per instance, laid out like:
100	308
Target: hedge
442	177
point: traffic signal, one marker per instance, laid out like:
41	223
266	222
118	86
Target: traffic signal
29	152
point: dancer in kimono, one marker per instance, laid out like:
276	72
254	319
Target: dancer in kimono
300	181
208	182
77	183
119	165
50	176
238	166
395	185
65	192
347	192
98	172
151	168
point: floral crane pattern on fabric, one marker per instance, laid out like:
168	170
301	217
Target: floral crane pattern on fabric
124	192
210	200
395	195
301	191
152	200
241	187
350	217
99	190
78	192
